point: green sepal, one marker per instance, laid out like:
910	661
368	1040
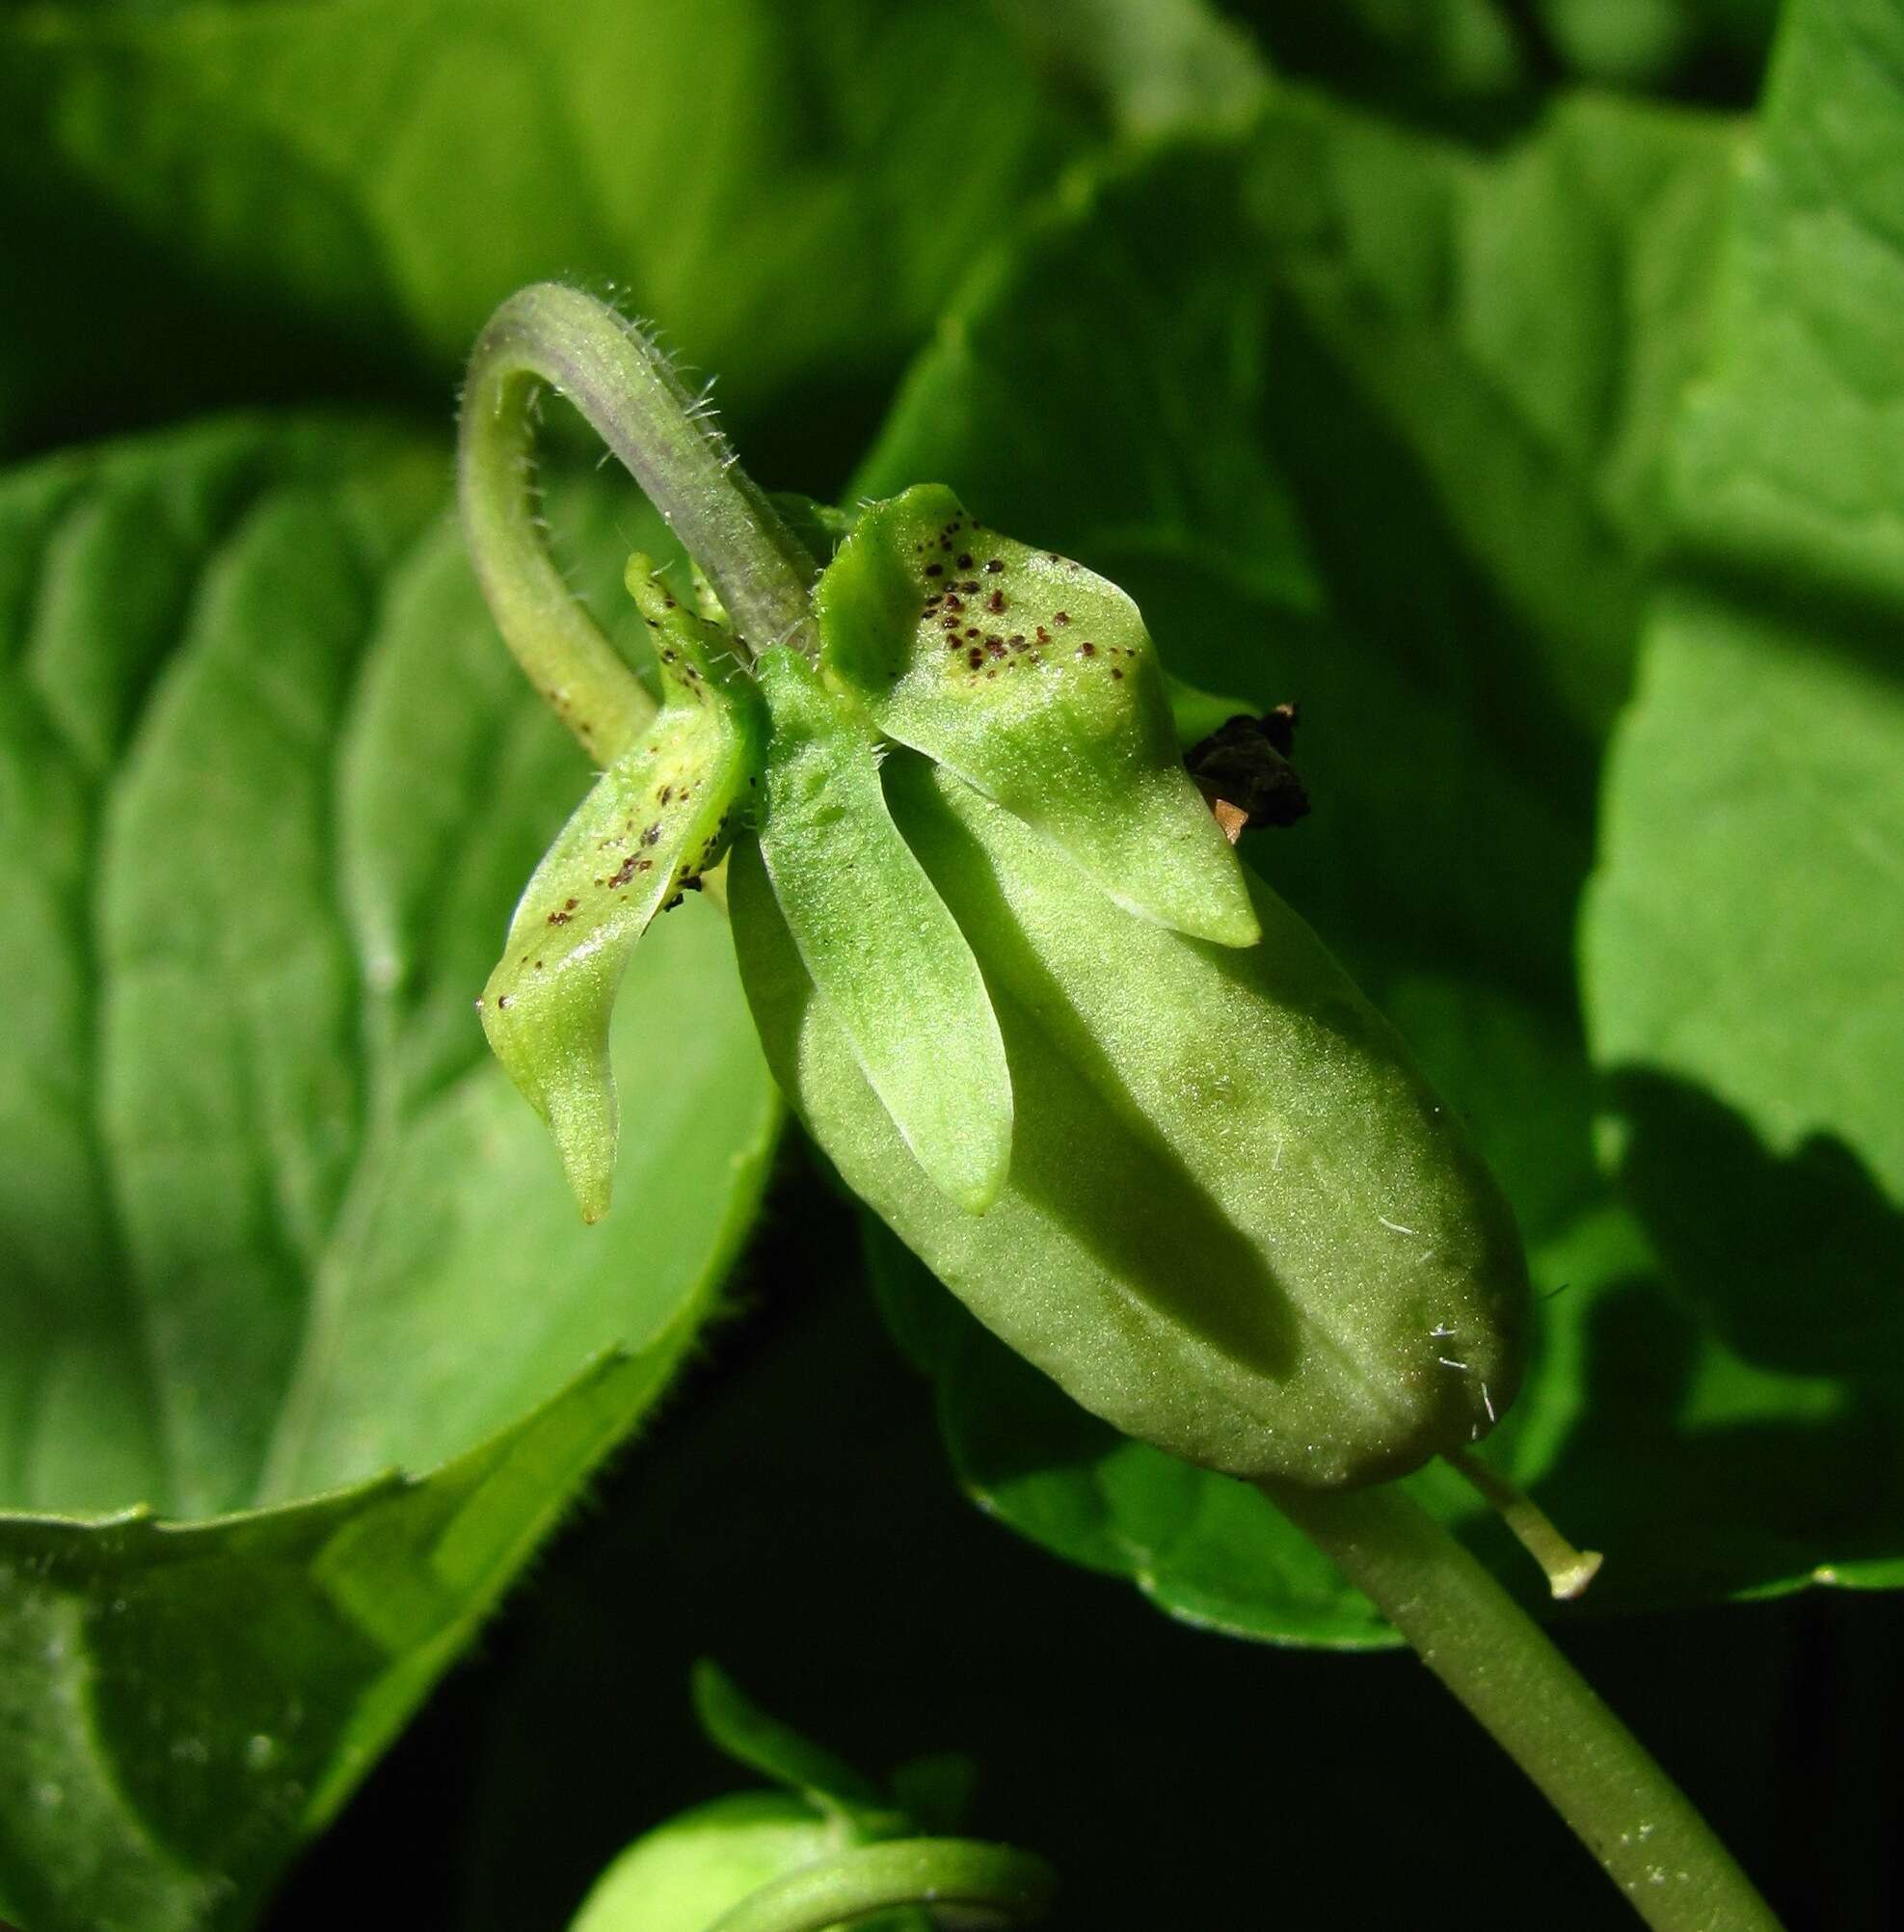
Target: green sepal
756	1738
686	1874
821	526
1036	681
877	939
1238	1224
653	823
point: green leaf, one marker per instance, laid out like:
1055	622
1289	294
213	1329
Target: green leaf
1743	936
308	206
897	973
187	1702
1037	684
1441	382
652	824
276	1223
1146	66
1403	461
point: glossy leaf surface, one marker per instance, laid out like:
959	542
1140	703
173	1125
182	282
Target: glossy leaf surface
897	973
1036	681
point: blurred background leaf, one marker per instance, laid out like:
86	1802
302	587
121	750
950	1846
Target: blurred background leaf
231	203
1482	65
276	1223
1741	946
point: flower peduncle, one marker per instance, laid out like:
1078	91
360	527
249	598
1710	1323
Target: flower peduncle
623	386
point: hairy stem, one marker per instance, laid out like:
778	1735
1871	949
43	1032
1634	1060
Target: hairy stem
558	338
938	1872
1499	1661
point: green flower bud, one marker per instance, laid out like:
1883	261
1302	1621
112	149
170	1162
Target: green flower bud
842	1842
1010	973
684	1876
1236	1223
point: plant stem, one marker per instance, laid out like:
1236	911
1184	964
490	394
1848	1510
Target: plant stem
1568	1571
622	385
1499	1661
958	1872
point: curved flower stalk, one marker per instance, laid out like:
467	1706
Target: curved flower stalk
1006	966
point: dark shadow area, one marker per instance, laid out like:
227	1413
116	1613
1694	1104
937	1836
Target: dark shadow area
1398	572
1084	1149
811	433
790	1514
121	336
1386	57
1195	1268
1388	65
1788	593
1796	1261
1704	1505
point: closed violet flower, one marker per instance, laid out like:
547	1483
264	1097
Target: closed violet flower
1010	972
